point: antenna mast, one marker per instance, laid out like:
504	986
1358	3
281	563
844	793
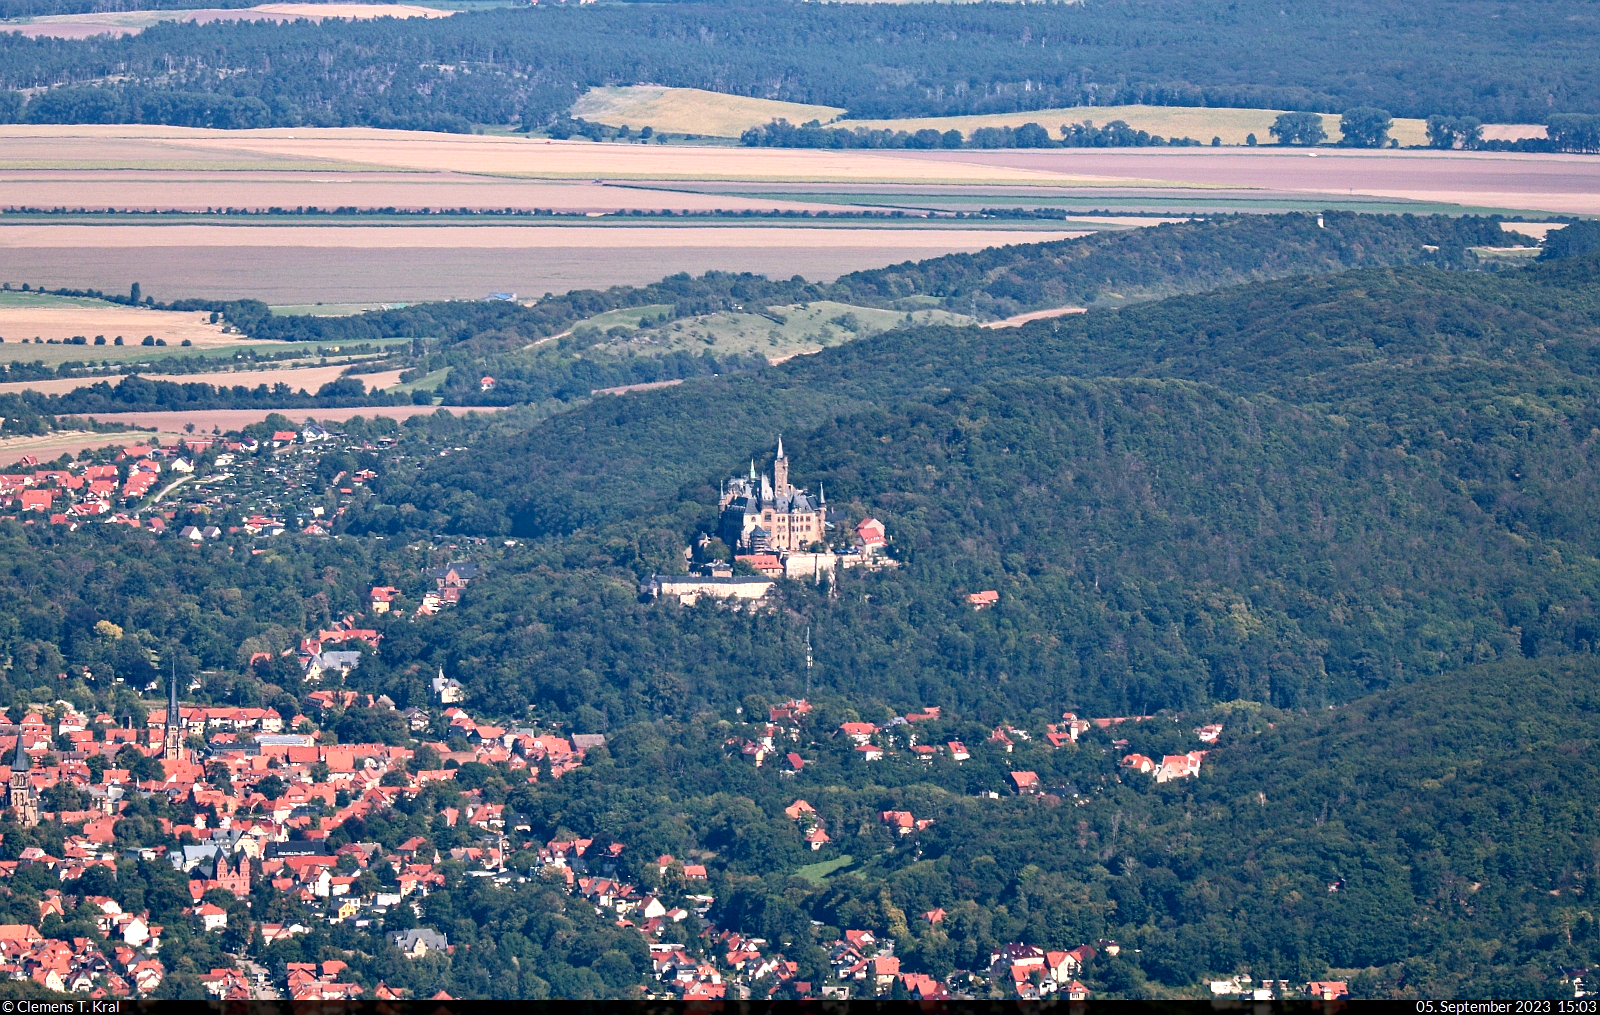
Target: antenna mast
808	660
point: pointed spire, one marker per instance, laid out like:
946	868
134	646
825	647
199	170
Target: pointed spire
780	445
173	715
822	496
752	468
21	763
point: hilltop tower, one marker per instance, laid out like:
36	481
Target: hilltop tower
22	798
174	731
780	472
768	514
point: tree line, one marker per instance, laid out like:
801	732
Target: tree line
526	66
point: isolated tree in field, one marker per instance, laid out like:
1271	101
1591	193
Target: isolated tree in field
1298	129
1454	132
1365	127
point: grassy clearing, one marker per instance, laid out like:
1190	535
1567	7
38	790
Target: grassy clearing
691	110
777	333
817	873
628	317
427	382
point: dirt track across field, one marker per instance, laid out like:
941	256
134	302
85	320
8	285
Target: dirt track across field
1036	315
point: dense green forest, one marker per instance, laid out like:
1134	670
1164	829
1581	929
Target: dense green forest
1484	59
1348	513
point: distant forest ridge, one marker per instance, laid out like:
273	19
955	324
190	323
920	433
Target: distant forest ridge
528	65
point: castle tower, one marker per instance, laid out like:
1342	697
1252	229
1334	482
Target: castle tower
174	744
780	472
22	800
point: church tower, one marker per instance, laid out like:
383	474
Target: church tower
174	745
22	800
780	472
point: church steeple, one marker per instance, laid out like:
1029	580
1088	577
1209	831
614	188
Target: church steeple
22	799
174	732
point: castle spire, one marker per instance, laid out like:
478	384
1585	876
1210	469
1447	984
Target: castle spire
780	472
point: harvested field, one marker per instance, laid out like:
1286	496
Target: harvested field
308	379
49	447
691	110
155	190
29	146
695	111
28	316
1512	131
1199	122
281	265
1553	183
85	26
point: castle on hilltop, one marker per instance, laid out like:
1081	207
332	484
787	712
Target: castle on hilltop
768	514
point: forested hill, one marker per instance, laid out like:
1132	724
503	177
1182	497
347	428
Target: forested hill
881	60
1362	343
1176	257
1422	501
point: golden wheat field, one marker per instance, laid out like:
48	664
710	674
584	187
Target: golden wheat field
1233	126
26	317
691	110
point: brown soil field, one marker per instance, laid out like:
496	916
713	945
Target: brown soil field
30	146
307	378
292	273
502	237
146	190
1556	183
89	319
84	26
149	153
